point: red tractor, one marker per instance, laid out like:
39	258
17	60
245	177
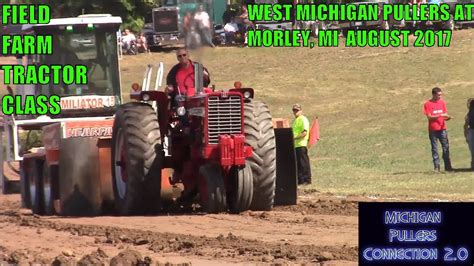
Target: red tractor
220	146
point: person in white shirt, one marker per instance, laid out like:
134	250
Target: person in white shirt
204	24
127	39
229	31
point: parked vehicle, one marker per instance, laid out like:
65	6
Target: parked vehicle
380	24
164	27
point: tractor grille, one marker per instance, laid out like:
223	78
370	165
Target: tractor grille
225	117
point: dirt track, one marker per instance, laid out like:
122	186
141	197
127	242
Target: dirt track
319	230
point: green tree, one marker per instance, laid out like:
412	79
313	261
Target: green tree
132	12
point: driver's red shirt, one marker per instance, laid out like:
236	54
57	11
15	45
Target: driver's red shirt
185	79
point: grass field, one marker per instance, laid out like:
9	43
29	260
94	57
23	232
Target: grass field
369	102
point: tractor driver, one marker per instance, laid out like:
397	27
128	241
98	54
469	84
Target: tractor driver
180	79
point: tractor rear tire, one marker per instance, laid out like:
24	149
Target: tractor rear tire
137	158
212	189
242	189
259	134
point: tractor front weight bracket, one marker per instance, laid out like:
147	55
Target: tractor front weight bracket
232	150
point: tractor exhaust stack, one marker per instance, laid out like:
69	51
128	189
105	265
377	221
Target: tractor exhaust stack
198	78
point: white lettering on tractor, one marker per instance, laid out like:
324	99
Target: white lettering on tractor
86	102
89	132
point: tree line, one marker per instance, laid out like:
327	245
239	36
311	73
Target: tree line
132	12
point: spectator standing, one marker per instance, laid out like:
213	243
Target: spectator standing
437	115
204	25
187	20
469	129
300	127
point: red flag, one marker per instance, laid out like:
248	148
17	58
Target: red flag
313	133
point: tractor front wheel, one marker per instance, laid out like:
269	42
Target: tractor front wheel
136	159
259	134
241	192
212	189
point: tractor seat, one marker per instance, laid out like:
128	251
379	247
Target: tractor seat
98	86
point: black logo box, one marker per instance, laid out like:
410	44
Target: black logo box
450	235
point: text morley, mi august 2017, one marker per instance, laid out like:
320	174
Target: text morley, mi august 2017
354	13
